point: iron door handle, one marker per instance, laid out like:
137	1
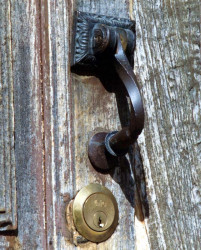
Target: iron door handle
104	46
118	142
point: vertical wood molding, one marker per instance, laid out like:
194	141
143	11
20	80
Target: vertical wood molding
29	156
8	212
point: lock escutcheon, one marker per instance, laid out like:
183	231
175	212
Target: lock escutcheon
99	212
95	212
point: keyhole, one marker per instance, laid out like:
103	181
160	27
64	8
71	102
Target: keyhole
100	222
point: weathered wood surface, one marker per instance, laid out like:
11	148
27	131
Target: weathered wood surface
25	74
168	67
57	112
8	213
73	111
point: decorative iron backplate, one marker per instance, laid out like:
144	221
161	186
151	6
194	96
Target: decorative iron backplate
84	61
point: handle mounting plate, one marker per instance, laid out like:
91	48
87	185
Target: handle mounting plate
84	45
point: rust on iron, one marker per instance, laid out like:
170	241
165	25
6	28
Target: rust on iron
103	47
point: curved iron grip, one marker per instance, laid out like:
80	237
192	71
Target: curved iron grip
120	141
104	48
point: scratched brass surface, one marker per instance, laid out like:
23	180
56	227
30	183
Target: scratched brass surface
93	203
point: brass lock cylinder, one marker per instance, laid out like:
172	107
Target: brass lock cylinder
95	212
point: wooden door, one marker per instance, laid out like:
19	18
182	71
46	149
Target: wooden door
49	114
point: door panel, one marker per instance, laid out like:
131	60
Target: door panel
55	113
168	63
74	111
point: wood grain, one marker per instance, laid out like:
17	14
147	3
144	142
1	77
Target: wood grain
57	112
167	62
25	54
73	112
8	213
